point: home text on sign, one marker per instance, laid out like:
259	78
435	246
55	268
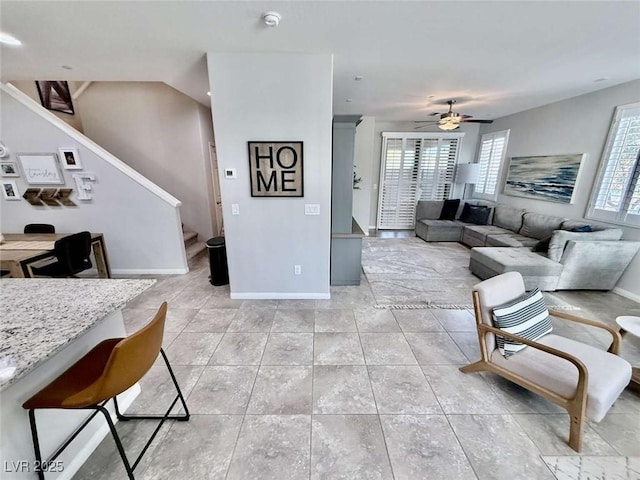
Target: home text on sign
276	169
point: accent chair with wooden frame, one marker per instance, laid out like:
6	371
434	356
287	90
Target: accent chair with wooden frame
584	380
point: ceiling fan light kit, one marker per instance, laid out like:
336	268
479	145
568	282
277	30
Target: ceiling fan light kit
448	124
451	120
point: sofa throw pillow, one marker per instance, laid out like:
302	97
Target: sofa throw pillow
449	209
477	214
583	228
526	316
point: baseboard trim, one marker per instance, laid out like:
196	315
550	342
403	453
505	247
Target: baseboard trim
124	401
280	296
627	294
149	271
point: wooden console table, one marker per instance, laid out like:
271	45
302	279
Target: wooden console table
20	251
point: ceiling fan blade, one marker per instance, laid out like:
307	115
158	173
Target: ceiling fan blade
476	121
435	113
425	121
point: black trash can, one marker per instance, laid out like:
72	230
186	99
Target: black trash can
218	261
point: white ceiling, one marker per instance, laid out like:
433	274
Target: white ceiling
496	58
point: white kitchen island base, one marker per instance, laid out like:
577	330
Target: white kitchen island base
41	340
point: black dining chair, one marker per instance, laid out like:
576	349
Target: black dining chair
39	228
72	254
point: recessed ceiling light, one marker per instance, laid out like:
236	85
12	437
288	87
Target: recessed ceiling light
431	96
601	79
349	100
9	39
209	93
67	67
357	78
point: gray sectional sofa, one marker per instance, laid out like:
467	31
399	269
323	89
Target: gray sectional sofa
574	260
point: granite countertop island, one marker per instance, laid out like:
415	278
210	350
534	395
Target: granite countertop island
40	317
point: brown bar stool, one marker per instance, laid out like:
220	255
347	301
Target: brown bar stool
112	367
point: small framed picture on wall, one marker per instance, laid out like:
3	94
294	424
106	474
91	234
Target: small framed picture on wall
9	169
10	190
70	158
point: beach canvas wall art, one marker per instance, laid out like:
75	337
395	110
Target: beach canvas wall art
551	178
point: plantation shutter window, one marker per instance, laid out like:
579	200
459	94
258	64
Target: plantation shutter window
493	148
414	167
616	194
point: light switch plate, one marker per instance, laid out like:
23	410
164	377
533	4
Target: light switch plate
229	173
235	209
311	209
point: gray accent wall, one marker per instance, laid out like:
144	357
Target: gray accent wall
577	125
274	97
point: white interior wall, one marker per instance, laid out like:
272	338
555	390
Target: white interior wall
159	132
577	125
465	155
278	97
363	166
142	230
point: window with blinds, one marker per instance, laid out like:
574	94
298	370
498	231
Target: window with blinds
414	167
616	194
493	148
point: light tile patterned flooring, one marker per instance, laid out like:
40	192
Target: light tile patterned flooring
336	389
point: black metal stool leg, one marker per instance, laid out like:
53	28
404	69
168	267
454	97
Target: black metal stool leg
36	443
116	438
175	382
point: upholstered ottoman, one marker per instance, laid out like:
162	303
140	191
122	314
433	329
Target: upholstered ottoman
536	270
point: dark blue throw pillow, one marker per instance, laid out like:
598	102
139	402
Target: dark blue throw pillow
449	209
583	228
478	214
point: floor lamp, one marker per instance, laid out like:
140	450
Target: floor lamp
467	173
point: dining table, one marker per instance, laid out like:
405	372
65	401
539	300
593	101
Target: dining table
20	251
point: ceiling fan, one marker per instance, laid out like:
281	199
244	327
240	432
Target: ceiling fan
450	120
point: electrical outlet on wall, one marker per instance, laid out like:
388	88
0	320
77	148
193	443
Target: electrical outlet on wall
297	269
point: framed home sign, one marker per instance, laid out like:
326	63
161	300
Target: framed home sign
276	169
40	168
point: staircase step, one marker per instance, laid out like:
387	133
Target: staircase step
195	249
189	238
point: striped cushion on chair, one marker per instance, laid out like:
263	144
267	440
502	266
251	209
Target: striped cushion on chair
526	316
